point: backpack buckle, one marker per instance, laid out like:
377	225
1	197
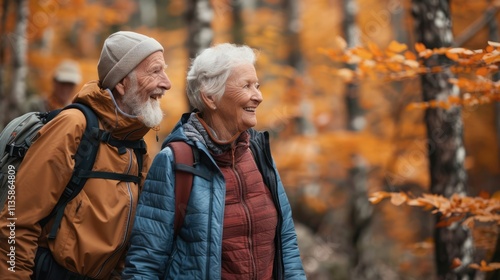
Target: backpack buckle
16	151
103	135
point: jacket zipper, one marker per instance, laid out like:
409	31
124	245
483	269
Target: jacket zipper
209	230
131	200
247	212
269	172
274	191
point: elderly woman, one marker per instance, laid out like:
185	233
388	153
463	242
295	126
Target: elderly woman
238	223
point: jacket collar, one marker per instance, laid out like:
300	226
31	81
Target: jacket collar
122	126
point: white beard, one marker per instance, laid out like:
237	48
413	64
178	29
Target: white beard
148	112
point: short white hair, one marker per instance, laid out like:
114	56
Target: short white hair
211	68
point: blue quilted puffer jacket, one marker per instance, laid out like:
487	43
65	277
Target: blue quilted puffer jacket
195	253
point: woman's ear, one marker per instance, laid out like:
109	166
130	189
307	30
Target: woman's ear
209	101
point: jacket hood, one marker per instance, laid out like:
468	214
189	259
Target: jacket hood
177	133
121	126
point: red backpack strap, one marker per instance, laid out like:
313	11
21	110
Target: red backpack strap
183	155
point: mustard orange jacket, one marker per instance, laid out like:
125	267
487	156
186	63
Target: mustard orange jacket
94	232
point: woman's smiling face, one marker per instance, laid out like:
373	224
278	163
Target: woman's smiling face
237	108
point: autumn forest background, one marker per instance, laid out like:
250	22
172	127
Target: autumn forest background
391	101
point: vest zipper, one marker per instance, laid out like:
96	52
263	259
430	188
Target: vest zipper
131	200
247	213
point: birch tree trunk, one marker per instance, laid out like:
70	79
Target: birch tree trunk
494	36
295	59
356	120
199	17
445	138
237	28
292	30
147	9
19	40
360	209
4	100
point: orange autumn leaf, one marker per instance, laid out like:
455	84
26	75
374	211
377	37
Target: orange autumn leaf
496	195
413	106
483	71
436	69
426	200
398	198
397	47
411	63
341	43
452	55
487	218
410	55
374	49
494	44
484	194
419	202
455	263
457	50
492	57
483	266
376	197
346	74
448	222
364	54
426	53
419	47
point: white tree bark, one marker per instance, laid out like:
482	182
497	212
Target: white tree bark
4	100
148	14
446	148
199	18
20	50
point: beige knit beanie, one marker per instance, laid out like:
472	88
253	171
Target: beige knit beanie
121	53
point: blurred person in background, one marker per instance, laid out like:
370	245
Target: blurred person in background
65	79
238	223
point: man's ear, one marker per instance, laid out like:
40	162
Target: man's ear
120	88
208	100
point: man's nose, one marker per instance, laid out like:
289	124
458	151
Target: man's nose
165	82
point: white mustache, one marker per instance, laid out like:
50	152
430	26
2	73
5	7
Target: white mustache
157	91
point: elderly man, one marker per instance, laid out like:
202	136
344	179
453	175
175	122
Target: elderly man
94	231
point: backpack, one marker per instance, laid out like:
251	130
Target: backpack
20	133
185	158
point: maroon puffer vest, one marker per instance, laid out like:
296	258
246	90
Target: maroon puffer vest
250	217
